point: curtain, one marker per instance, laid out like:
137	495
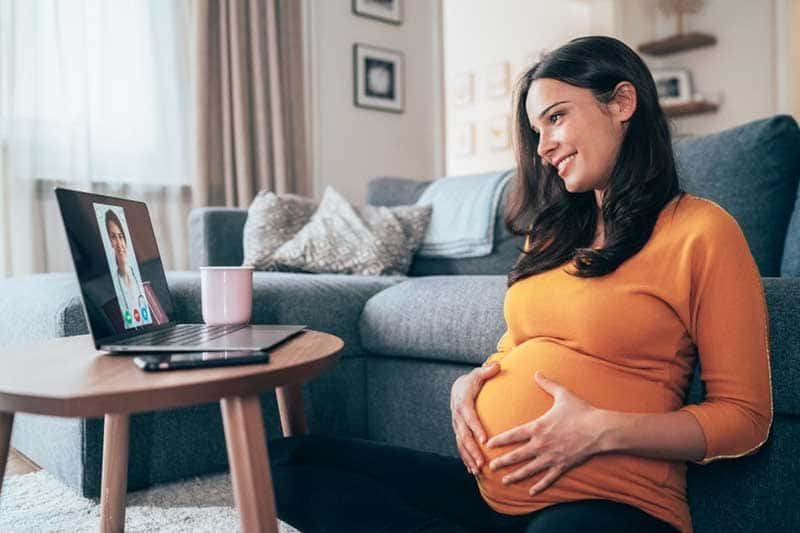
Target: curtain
95	96
250	101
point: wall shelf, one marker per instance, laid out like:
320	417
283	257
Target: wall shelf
690	108
677	43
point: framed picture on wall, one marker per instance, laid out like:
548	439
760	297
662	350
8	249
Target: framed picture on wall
464	89
674	86
385	10
463	137
378	78
499	130
498	78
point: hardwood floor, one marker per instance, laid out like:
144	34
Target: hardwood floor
18	464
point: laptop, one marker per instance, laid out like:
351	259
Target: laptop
123	287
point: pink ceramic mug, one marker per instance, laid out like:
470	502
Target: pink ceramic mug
226	294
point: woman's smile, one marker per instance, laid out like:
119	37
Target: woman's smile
565	163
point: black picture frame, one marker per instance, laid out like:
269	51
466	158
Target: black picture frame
373	10
378	78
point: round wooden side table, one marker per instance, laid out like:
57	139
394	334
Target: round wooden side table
68	377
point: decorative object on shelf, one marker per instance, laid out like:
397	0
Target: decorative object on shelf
680	8
464	140
378	78
499	133
385	10
464	89
680	41
497	80
674	86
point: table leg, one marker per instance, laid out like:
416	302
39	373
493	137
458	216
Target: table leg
249	463
114	483
6	422
290	407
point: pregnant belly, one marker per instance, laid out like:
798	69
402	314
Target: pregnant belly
513	398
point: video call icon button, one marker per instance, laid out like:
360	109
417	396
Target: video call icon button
144	313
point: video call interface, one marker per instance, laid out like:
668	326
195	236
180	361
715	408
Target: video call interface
117	263
121	258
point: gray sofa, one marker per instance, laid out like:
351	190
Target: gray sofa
408	337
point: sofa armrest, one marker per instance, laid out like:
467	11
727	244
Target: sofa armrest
40	307
215	236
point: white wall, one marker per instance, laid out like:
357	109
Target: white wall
351	145
481	33
740	71
788	21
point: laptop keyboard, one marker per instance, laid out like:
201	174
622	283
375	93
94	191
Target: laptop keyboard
183	334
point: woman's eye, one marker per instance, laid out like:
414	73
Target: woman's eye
553	117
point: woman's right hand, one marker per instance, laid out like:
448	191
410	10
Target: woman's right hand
466	426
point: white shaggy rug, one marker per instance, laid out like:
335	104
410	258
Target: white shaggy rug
39	502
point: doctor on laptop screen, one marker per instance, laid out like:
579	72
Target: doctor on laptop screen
123	266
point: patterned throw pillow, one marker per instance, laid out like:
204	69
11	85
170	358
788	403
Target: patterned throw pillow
272	220
367	241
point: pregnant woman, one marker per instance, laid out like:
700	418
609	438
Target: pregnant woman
578	422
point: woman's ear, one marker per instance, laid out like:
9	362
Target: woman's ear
623	103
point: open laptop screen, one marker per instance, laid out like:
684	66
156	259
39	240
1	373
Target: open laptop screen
116	259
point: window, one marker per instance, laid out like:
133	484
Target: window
96	90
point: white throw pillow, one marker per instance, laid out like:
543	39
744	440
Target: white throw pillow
273	219
367	241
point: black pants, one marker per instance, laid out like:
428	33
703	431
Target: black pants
327	484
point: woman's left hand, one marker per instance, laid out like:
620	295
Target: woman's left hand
564	437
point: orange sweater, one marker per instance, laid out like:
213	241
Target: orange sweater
627	341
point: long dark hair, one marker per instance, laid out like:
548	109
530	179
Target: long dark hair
561	225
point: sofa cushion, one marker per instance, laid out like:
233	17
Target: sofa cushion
391	191
752	171
790	264
459	319
446	318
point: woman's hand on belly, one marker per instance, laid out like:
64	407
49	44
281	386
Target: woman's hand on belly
565	436
466	425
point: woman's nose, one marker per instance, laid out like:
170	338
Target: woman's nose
546	145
